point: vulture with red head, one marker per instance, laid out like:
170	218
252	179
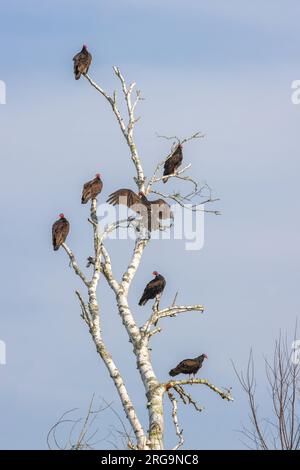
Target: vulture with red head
91	189
173	162
153	288
82	62
152	212
188	366
60	230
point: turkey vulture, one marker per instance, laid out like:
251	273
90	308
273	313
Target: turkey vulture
60	230
173	162
153	288
151	211
82	62
91	189
188	366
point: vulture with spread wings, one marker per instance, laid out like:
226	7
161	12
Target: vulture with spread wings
82	62
151	212
173	162
60	230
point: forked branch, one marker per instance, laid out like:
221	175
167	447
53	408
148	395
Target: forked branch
127	129
225	394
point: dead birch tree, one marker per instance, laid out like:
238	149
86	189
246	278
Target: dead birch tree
140	337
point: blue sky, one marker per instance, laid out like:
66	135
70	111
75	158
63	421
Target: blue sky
223	69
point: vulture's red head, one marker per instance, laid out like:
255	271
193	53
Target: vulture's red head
180	146
205	356
84	46
155	273
98	175
61	216
141	194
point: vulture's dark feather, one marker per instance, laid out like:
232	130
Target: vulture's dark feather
151	212
153	288
82	62
60	230
124	196
173	162
91	189
188	366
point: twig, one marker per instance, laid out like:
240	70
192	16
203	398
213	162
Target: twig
179	432
155	178
175	298
84	309
194	208
197	135
187	398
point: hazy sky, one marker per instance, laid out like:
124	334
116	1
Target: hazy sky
223	68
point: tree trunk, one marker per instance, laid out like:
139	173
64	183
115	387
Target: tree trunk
156	417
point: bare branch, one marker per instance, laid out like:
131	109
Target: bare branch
175	421
175	310
197	135
154	332
128	276
107	270
225	394
194	208
74	264
282	430
112	102
85	434
197	188
52	431
175	298
84	309
172	311
127	130
187	398
155	178
85	425
124	223
249	385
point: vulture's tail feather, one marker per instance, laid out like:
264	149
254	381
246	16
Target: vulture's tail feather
77	73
